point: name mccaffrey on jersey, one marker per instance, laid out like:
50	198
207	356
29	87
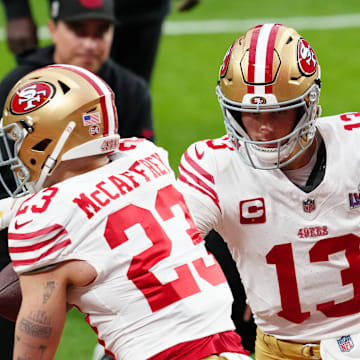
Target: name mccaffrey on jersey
141	171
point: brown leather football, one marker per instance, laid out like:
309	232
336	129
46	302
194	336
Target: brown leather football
10	293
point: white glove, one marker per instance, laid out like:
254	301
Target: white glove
342	348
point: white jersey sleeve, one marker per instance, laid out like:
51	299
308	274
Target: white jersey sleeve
130	222
200	184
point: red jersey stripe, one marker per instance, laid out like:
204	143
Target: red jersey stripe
39	245
198	168
53	249
214	199
24	236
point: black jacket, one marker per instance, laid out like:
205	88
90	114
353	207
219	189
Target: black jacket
139	11
132	94
125	10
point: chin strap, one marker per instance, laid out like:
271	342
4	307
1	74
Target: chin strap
51	160
318	172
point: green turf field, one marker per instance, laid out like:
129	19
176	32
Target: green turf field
183	86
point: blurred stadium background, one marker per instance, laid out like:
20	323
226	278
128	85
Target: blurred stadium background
183	84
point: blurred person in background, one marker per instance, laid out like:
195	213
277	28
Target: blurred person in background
82	35
136	38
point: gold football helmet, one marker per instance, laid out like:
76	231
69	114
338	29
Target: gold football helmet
270	68
53	114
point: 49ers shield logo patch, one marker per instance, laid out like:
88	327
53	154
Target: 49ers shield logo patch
225	64
31	96
307	60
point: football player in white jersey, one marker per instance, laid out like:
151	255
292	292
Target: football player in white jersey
283	190
104	228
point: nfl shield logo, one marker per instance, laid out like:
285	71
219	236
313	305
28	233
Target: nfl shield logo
345	343
309	205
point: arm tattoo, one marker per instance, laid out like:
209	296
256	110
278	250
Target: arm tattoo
40	353
40	350
48	290
36	326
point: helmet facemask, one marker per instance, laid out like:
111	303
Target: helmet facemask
11	137
256	153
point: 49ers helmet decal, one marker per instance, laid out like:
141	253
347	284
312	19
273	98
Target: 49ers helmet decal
56	113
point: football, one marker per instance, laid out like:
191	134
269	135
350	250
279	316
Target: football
10	293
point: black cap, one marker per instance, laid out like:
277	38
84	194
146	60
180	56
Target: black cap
76	10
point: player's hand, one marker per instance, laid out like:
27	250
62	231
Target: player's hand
7	211
188	4
21	34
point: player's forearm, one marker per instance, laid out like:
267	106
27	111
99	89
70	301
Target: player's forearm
33	334
41	318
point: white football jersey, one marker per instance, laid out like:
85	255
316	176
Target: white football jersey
156	284
297	253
